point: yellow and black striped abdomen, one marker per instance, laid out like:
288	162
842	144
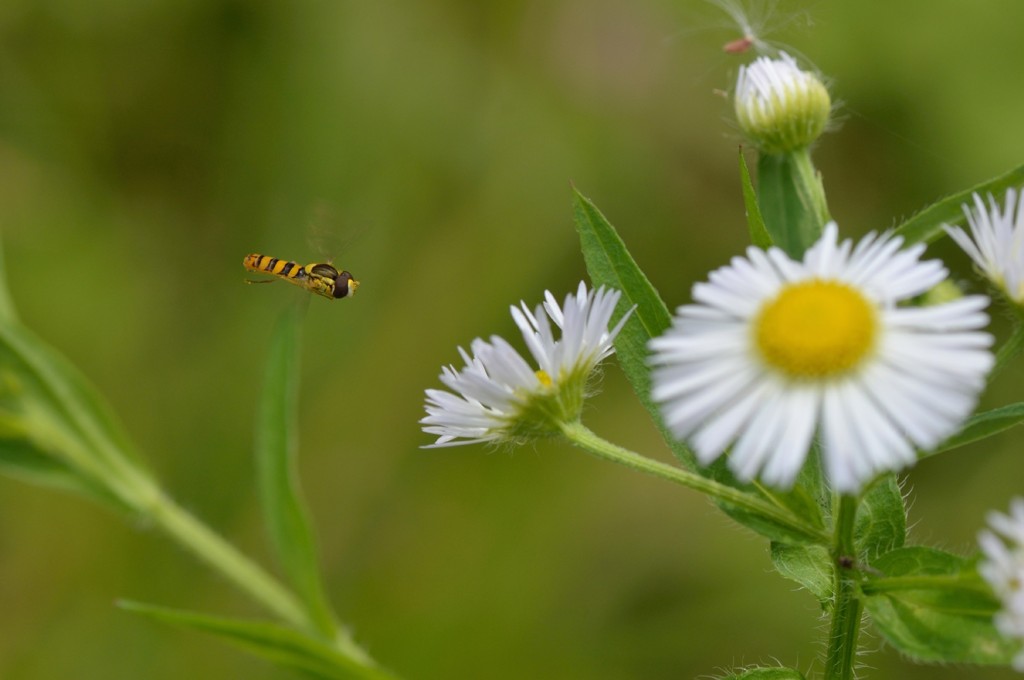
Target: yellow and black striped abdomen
271	265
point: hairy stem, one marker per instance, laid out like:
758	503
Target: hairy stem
847	606
584	438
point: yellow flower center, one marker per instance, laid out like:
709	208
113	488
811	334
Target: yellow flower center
545	379
815	329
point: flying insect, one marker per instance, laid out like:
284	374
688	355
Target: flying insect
320	278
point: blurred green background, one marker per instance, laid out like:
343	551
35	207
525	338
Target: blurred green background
146	147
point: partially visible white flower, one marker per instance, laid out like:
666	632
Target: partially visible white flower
498	396
1003	569
996	241
779	106
775	350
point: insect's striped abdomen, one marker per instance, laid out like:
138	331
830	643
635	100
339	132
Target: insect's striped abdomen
271	265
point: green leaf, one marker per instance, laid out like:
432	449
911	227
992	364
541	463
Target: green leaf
45	375
63	416
881	522
792	200
21	459
916	560
766	674
759	235
932	606
927	224
808	565
276	451
610	264
281	645
800	500
982	426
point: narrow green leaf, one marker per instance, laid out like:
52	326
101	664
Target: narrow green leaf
766	674
21	459
930	605
276	450
808	565
881	522
927	224
759	235
792	200
44	374
610	264
982	426
799	500
281	645
809	498
64	416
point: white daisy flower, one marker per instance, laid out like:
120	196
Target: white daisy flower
779	106
775	350
498	396
996	241
1003	569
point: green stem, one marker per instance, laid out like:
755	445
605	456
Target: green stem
587	440
809	184
792	200
846	604
223	557
205	544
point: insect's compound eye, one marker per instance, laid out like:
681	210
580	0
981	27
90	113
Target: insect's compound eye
344	285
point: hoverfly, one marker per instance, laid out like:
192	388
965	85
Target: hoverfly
319	277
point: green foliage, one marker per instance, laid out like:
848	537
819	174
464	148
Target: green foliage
881	521
276	449
22	459
927	225
792	200
808	565
610	264
930	605
983	425
800	501
56	428
759	235
281	645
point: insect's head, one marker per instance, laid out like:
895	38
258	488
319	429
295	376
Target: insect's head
344	285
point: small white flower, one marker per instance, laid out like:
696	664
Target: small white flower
777	349
498	396
779	106
1003	568
996	242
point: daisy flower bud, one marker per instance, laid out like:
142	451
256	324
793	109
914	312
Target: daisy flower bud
996	242
780	107
775	350
498	396
1003	569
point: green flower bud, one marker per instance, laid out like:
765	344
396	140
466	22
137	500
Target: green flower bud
780	107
